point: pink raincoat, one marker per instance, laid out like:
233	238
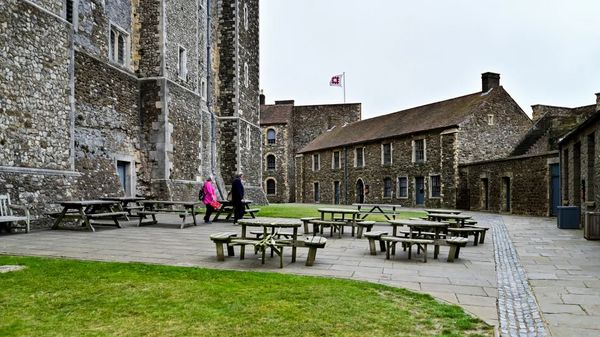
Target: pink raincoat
209	193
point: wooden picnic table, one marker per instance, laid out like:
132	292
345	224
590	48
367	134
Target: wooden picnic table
269	226
377	209
419	226
153	207
443	211
343	212
227	209
82	211
124	203
459	218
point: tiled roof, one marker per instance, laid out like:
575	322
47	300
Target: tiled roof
427	117
275	114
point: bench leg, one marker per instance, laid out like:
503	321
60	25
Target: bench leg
475	238
312	254
230	251
409	251
436	251
425	253
280	257
220	255
457	252
382	245
359	232
482	237
387	251
372	249
451	253
305	223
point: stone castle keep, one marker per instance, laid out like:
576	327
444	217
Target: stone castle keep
105	97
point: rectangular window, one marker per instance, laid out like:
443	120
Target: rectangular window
182	63
359	157
335	160
387	187
419	151
69	10
490	119
316	162
317	192
436	187
118	45
403	187
386	154
336	192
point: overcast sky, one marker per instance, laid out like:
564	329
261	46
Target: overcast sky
399	54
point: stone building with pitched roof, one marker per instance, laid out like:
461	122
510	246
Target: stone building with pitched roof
410	157
286	128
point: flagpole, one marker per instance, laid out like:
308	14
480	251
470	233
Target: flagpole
344	77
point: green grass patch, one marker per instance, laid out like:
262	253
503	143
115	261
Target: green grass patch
57	297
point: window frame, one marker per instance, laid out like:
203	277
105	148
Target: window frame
248	137
399	188
339	160
432	186
362	150
391	188
245	16
316	167
490	119
274	136
182	70
274	186
246	75
383	145
414	150
269	155
316	192
114	45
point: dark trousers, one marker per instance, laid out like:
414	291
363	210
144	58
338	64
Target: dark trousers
209	211
238	210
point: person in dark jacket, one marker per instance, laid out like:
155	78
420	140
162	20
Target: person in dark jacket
237	195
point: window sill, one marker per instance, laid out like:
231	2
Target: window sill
402	198
435	198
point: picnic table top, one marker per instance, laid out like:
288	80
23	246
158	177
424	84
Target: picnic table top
377	205
228	202
338	210
284	223
172	202
449	216
85	202
443	211
408	222
123	198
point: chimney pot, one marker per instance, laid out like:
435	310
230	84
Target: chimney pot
598	101
262	98
489	80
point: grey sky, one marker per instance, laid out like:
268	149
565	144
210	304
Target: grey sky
398	54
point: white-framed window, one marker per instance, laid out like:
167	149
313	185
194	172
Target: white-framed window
271	136
490	119
246	16
316	192
270	162
271	186
359	157
118	45
182	63
387	187
70	11
246	75
419	153
335	160
386	154
248	137
436	186
316	162
402	187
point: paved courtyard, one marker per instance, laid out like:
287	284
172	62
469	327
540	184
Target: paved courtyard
528	279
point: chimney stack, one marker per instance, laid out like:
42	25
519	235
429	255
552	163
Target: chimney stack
262	98
489	81
537	111
598	101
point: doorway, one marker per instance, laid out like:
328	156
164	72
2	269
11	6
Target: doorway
506	187
419	191
554	188
485	192
360	191
123	171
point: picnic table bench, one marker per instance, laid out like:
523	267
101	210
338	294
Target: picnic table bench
82	211
227	210
478	233
223	239
386	210
6	212
421	244
155	207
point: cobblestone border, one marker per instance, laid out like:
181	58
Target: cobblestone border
518	310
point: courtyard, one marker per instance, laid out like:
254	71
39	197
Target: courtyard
529	278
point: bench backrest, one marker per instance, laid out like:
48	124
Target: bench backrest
4	202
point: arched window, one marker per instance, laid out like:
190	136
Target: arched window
271	136
270	162
270	186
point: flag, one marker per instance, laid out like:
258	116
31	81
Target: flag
336	80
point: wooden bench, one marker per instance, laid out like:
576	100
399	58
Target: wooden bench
391	242
143	214
375	236
482	232
7	216
252	212
361	225
306	221
319	225
455	245
313	243
113	215
278	235
277	248
466	231
220	239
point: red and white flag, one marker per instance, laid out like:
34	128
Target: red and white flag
336	80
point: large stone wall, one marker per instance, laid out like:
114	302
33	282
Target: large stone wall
480	141
438	146
57	7
147	38
182	31
35	89
529	184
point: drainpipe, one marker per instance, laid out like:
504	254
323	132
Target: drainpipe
346	175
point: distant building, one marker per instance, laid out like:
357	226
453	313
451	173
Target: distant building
411	157
579	157
286	128
527	181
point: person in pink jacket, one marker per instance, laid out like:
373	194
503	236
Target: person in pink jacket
210	196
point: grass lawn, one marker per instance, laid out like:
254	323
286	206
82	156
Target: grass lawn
56	297
306	210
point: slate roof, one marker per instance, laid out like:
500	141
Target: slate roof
432	116
275	114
